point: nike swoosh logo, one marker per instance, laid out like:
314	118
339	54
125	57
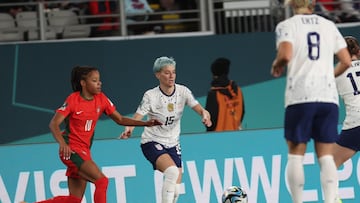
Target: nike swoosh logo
78	112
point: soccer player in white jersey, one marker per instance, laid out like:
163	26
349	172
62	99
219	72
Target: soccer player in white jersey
161	145
306	44
348	85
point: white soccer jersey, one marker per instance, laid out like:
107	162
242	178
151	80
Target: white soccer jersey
167	109
348	85
310	72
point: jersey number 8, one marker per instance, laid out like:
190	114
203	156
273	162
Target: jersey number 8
313	40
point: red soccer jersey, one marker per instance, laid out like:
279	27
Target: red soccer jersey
82	116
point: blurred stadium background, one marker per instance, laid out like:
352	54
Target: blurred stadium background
40	41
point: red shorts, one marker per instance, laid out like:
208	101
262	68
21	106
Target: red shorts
73	164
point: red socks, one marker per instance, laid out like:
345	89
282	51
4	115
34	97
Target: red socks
100	190
62	199
99	196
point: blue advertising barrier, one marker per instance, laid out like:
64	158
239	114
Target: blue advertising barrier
255	160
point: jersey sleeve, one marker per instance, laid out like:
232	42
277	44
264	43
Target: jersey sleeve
109	107
284	33
339	39
65	109
190	99
145	104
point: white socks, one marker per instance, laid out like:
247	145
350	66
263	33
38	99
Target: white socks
295	176
328	178
170	177
177	191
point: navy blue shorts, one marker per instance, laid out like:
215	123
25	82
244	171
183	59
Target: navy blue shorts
317	121
152	151
350	138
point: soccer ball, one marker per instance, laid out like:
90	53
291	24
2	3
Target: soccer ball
234	194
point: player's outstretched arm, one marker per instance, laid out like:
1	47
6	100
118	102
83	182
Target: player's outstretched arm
206	117
125	121
129	129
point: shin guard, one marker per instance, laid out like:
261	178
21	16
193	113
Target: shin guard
100	190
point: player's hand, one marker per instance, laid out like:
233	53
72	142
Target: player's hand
65	151
153	122
276	71
127	133
206	119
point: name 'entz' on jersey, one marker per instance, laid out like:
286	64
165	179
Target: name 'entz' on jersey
314	20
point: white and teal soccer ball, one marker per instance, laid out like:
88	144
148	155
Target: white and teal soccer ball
234	194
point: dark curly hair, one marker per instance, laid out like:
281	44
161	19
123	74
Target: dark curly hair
79	73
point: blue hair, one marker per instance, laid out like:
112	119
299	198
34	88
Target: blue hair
163	61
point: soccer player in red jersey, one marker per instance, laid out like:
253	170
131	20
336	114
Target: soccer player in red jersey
80	112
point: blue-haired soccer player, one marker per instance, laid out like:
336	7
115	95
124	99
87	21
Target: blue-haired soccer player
160	145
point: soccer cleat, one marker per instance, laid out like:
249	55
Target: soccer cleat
338	200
